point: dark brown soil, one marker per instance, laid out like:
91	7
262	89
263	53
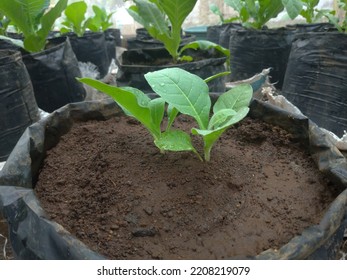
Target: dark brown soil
109	185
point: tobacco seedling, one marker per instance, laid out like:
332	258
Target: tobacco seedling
35	18
75	19
184	93
163	20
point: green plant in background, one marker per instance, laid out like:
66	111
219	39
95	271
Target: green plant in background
163	20
76	19
184	93
339	23
101	20
34	18
255	14
310	12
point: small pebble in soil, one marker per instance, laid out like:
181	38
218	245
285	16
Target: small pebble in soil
143	232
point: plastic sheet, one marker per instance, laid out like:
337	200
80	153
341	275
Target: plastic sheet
134	64
251	51
53	74
33	236
316	79
18	108
91	47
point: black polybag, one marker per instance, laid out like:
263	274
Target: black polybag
91	47
34	236
112	39
252	50
18	107
53	73
143	40
316	78
134	64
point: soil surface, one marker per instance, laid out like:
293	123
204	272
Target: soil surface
110	186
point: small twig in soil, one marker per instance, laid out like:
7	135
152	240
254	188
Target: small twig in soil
4	249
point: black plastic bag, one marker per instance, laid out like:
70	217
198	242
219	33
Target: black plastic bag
91	47
33	236
316	79
53	74
251	51
18	108
112	39
134	64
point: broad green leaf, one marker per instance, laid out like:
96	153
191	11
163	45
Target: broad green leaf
235	98
127	100
175	140
29	17
293	7
48	19
210	136
142	99
152	16
220	118
186	92
177	11
157	108
24	13
268	9
75	13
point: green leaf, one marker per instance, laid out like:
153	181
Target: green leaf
128	100
157	108
235	4
186	92
172	114
293	7
142	99
24	13
175	140
48	19
75	15
30	18
220	118
206	45
153	16
235	98
210	136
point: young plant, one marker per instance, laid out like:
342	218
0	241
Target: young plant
310	12
163	20
339	23
75	18
255	14
184	93
76	21
101	20
34	18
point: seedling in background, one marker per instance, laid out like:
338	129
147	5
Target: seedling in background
163	20
184	93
